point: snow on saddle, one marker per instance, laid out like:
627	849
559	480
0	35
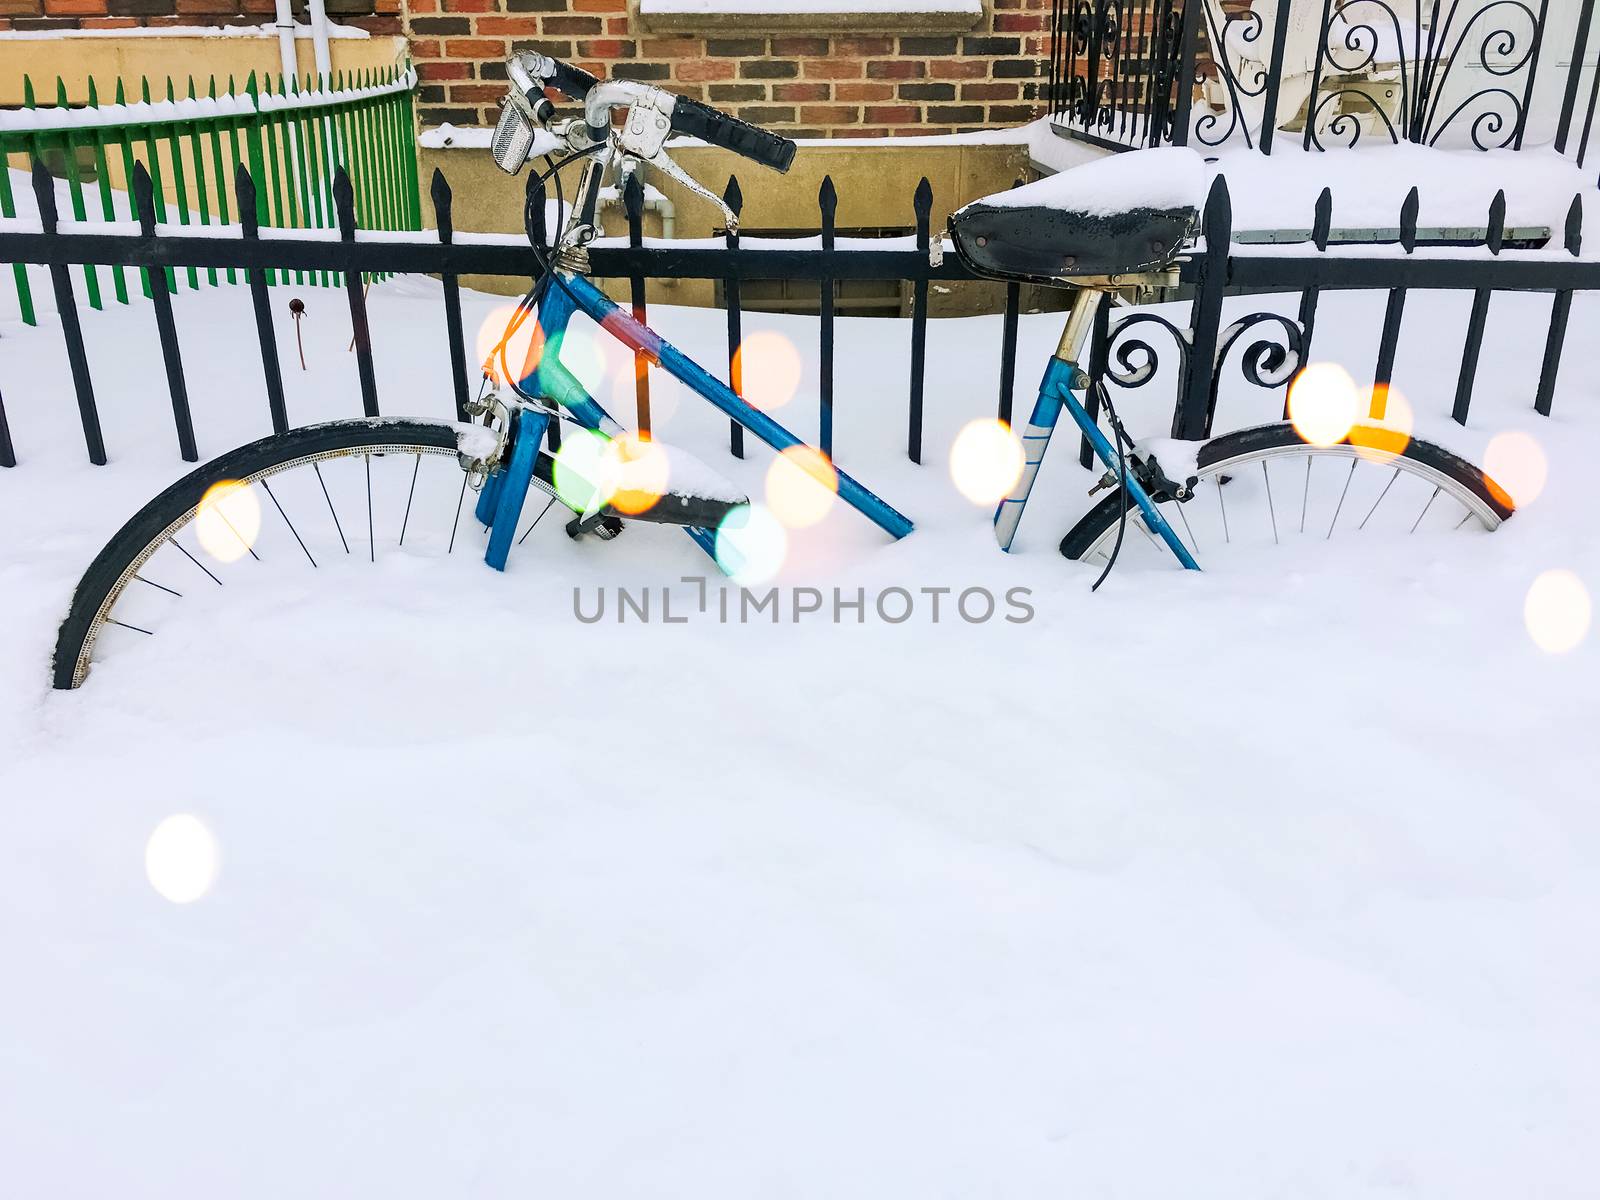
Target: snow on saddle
1120	215
688	491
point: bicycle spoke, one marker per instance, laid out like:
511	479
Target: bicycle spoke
1425	509
125	625
536	520
159	587
1467	516
317	467
409	496
1305	495
372	542
1340	506
1379	500
456	524
1223	505
174	541
1271	511
1184	517
289	523
236	533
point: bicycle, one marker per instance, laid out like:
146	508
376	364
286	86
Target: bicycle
1035	233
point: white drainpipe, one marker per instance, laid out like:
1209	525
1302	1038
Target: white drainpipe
319	40
285	28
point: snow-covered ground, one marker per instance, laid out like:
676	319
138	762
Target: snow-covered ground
1278	880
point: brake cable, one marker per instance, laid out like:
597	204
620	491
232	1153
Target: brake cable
1123	495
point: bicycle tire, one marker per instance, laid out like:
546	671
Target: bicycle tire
147	530
1467	484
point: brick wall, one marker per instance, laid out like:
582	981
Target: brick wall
376	16
837	84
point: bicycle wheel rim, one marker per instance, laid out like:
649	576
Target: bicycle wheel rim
1442	473
117	565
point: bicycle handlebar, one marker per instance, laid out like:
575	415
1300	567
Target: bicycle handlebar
530	74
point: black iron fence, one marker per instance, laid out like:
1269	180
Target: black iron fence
1209	73
1266	346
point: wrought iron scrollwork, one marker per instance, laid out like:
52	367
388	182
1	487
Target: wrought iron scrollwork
1269	359
1367	47
1131	361
1114	67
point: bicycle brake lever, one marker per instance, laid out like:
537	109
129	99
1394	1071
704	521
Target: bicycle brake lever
663	163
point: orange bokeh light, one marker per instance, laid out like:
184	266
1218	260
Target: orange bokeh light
1516	466
636	474
768	369
1324	404
801	486
986	461
1385	442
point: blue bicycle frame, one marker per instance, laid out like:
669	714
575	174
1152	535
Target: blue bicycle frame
1056	393
570	293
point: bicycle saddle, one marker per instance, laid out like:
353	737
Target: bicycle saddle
1120	215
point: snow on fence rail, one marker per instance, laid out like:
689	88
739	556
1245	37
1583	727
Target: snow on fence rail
292	137
1266	347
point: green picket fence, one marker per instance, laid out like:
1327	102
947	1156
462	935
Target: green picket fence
290	137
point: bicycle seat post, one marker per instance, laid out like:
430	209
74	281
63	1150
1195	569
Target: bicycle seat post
1086	303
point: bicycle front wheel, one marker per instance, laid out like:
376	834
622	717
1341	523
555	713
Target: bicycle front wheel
1268	486
322	496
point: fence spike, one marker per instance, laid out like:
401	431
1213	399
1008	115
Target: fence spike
1408	220
1574	235
170	96
61	92
211	88
231	91
120	96
922	201
191	87
732	196
827	200
144	89
94	96
633	198
44	192
1496	234
1323	223
27	92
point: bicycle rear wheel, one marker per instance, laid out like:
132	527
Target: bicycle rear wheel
338	492
1268	486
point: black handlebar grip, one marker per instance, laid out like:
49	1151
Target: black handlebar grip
571	81
693	119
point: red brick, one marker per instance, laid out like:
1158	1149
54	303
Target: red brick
517	27
610	48
83	8
897	115
800	91
958	68
1019	22
598	6
427	48
472	6
831	68
865	47
432	72
863	91
830	114
677	47
799	47
474	48
617	26
1005	114
476	93
896	68
705	70
110	22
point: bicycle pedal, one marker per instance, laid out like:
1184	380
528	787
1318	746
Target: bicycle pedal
604	526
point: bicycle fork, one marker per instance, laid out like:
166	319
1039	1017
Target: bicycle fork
1055	393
